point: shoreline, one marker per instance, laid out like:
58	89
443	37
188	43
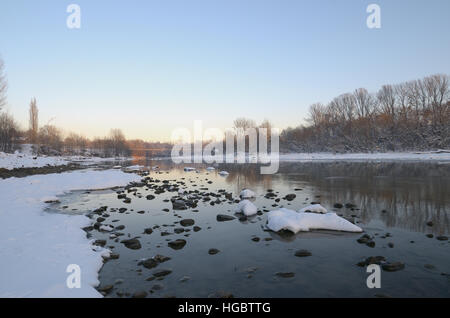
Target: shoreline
30	236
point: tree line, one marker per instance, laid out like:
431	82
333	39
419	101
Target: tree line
49	139
413	115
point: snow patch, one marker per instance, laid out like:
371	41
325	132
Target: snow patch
36	247
247	194
285	219
247	208
315	208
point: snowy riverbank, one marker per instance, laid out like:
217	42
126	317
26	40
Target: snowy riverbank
385	156
36	247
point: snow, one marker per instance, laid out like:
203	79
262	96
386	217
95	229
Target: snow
315	208
134	168
247	208
210	168
18	160
285	219
223	173
26	159
247	194
440	155
36	246
377	156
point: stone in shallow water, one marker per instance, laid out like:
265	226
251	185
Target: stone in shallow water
187	222
290	197
393	267
213	251
162	273
442	238
148	230
285	274
177	244
140	294
372	260
133	244
224	217
303	253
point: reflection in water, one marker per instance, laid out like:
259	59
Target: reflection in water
401	194
250	257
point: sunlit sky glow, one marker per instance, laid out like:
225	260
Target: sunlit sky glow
148	67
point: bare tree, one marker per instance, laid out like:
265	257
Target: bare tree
3	85
386	97
364	103
50	138
8	132
33	121
119	142
244	123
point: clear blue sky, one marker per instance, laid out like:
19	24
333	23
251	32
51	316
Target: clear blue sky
150	66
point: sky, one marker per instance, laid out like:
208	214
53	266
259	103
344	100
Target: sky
148	67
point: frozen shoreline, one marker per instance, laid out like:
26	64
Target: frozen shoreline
386	156
36	247
443	155
25	159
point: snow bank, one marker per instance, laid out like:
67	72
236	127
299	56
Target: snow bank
26	159
247	194
285	219
315	208
247	208
36	247
386	156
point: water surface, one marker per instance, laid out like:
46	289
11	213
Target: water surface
397	199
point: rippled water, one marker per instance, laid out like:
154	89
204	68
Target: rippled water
395	198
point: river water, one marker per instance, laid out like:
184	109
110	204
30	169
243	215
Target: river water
394	202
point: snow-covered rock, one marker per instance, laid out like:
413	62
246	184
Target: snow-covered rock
106	228
187	169
210	168
223	173
247	194
247	208
315	208
285	219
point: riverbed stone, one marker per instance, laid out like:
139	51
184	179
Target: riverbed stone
133	244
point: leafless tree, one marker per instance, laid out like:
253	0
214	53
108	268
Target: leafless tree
33	121
50	139
244	123
9	131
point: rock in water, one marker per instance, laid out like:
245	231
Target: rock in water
290	197
133	244
247	194
177	244
247	208
303	253
224	217
187	222
393	267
